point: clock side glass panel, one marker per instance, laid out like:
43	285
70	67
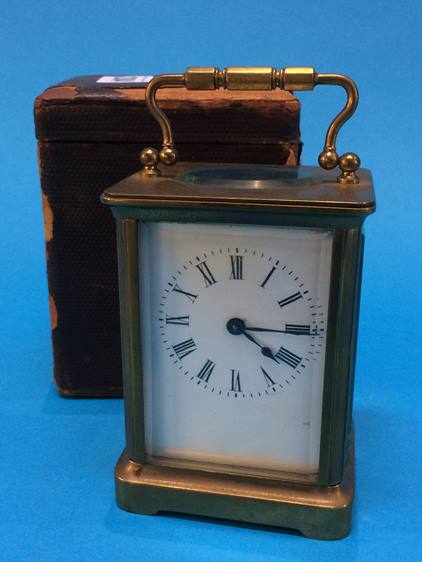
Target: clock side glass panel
233	324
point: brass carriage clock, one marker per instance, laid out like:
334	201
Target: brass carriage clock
239	292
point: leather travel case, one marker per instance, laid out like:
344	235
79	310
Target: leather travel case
90	132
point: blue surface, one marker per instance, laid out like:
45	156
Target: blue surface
57	456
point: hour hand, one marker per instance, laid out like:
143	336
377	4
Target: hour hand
266	351
236	327
252	339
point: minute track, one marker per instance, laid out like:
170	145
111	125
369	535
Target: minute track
292	329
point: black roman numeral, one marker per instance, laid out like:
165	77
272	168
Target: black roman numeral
184	348
288	300
288	357
206	371
179	320
267	378
268	277
298	329
190	296
206	273
235	387
236	267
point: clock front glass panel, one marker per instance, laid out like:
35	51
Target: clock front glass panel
233	323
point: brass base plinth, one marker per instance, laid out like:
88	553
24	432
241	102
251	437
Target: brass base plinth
318	512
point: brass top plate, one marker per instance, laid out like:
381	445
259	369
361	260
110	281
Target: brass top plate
242	186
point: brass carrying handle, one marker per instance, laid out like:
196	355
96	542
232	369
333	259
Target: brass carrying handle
254	78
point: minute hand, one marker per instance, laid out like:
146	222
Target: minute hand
292	329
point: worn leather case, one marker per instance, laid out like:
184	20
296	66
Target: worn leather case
89	136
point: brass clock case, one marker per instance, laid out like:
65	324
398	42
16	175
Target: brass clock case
304	197
321	510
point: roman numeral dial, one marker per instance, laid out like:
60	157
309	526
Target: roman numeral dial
188	295
298	329
288	300
236	263
184	348
177	320
268	277
288	357
268	380
206	371
236	321
206	273
235	381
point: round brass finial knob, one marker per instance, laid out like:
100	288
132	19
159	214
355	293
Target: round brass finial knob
149	157
168	155
328	159
348	164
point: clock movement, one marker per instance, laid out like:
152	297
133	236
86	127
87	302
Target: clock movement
239	295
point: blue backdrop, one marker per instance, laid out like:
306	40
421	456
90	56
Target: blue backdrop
57	456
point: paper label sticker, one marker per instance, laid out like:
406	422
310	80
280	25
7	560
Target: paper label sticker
124	79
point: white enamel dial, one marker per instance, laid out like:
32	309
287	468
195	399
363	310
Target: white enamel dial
234	321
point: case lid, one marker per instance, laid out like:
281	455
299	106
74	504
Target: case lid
303	189
90	108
